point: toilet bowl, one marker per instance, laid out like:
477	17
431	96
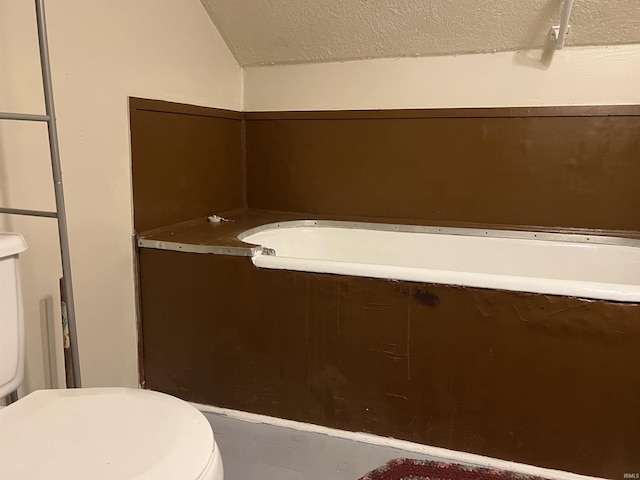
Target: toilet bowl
91	433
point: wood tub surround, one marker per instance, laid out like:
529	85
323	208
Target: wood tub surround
544	380
550	167
187	161
541	379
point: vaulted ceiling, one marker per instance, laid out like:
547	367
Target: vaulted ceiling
289	31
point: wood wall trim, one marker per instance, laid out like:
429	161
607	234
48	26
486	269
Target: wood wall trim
493	112
172	107
499	112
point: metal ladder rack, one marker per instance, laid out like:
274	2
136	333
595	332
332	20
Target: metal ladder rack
60	213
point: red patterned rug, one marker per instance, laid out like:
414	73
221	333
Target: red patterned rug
410	469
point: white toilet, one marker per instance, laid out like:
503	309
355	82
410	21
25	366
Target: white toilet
90	433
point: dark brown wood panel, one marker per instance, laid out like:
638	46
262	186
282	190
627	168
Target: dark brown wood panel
544	380
187	162
550	167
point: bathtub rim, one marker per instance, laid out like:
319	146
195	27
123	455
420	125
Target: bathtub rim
462	231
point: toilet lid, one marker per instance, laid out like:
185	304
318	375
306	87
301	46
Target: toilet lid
103	433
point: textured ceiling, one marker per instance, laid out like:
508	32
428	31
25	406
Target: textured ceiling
287	31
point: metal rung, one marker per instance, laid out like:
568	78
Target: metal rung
24	116
31	213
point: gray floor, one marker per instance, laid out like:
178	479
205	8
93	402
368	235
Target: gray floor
266	452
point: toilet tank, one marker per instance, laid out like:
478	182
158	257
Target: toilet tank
11	320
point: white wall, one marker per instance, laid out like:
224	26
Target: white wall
575	76
101	53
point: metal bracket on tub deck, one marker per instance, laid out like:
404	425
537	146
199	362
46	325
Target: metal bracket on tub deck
248	251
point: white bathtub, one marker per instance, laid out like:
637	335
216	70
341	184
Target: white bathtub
584	266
